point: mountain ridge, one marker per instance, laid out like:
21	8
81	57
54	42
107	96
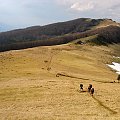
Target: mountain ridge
60	33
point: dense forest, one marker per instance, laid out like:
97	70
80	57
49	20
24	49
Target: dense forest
59	33
48	31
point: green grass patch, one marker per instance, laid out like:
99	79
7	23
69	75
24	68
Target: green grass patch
91	40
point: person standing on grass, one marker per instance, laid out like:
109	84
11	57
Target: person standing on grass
118	78
81	87
89	87
92	91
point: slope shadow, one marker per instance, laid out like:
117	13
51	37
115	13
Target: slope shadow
65	75
70	76
104	106
83	91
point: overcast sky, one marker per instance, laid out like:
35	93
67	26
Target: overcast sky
23	13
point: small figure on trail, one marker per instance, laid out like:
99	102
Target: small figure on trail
89	87
49	68
118	78
92	91
81	87
57	75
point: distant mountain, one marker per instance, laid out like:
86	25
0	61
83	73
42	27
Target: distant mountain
59	33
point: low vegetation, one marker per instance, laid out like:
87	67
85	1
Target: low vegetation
29	90
43	83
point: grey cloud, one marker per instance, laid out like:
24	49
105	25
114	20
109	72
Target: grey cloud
23	13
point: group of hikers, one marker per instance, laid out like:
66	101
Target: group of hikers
90	89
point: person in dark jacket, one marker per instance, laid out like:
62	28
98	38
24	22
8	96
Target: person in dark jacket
118	78
89	87
92	91
81	87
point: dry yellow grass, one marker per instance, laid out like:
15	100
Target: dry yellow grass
30	90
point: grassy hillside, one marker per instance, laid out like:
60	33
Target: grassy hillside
30	90
47	31
34	34
104	36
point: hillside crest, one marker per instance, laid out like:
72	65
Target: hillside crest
60	33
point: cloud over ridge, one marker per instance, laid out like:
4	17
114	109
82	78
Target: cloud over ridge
82	6
39	12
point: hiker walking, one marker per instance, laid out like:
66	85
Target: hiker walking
118	78
81	87
92	91
89	87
